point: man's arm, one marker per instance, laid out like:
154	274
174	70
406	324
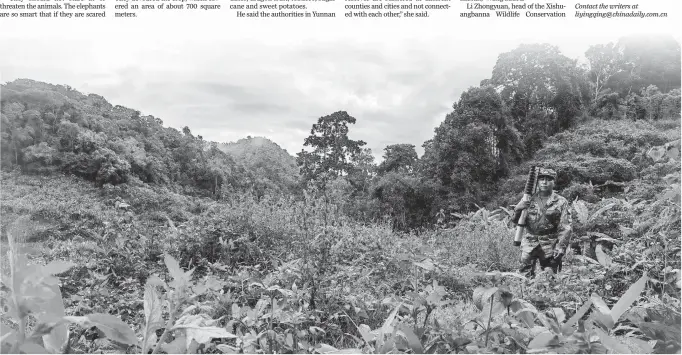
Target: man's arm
518	209
516	216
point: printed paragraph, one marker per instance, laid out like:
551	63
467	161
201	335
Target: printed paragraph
394	8
506	9
134	8
602	10
52	9
282	8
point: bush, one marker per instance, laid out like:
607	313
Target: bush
256	231
635	107
477	241
607	105
38	159
582	191
617	139
408	200
670	127
586	169
652	104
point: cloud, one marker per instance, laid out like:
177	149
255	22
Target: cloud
398	94
276	79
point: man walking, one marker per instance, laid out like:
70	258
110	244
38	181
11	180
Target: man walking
548	226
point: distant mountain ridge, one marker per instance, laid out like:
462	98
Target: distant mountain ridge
264	158
48	129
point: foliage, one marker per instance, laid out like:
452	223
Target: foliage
655	105
401	287
398	157
407	199
605	61
482	240
273	168
538	83
608	105
184	245
472	149
649	60
332	148
48	128
31	293
601	157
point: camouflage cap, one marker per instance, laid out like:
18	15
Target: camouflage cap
547	172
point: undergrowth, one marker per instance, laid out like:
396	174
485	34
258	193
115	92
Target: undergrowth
294	275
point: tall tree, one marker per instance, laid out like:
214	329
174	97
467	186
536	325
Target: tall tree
605	61
472	148
485	106
333	151
536	80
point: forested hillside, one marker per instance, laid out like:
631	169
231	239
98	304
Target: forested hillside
55	129
273	168
156	240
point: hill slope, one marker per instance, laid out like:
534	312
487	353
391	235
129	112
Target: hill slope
50	129
272	166
599	158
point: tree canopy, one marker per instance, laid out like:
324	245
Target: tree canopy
333	151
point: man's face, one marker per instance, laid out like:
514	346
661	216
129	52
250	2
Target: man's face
545	183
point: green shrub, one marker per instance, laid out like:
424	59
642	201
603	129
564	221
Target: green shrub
608	105
485	244
670	127
617	139
586	169
582	191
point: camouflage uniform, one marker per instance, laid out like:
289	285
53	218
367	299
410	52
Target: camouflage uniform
548	228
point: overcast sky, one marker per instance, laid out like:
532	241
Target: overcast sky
227	78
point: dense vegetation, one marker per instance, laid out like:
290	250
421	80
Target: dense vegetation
143	238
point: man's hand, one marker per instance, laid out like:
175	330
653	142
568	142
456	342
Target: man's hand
522	205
